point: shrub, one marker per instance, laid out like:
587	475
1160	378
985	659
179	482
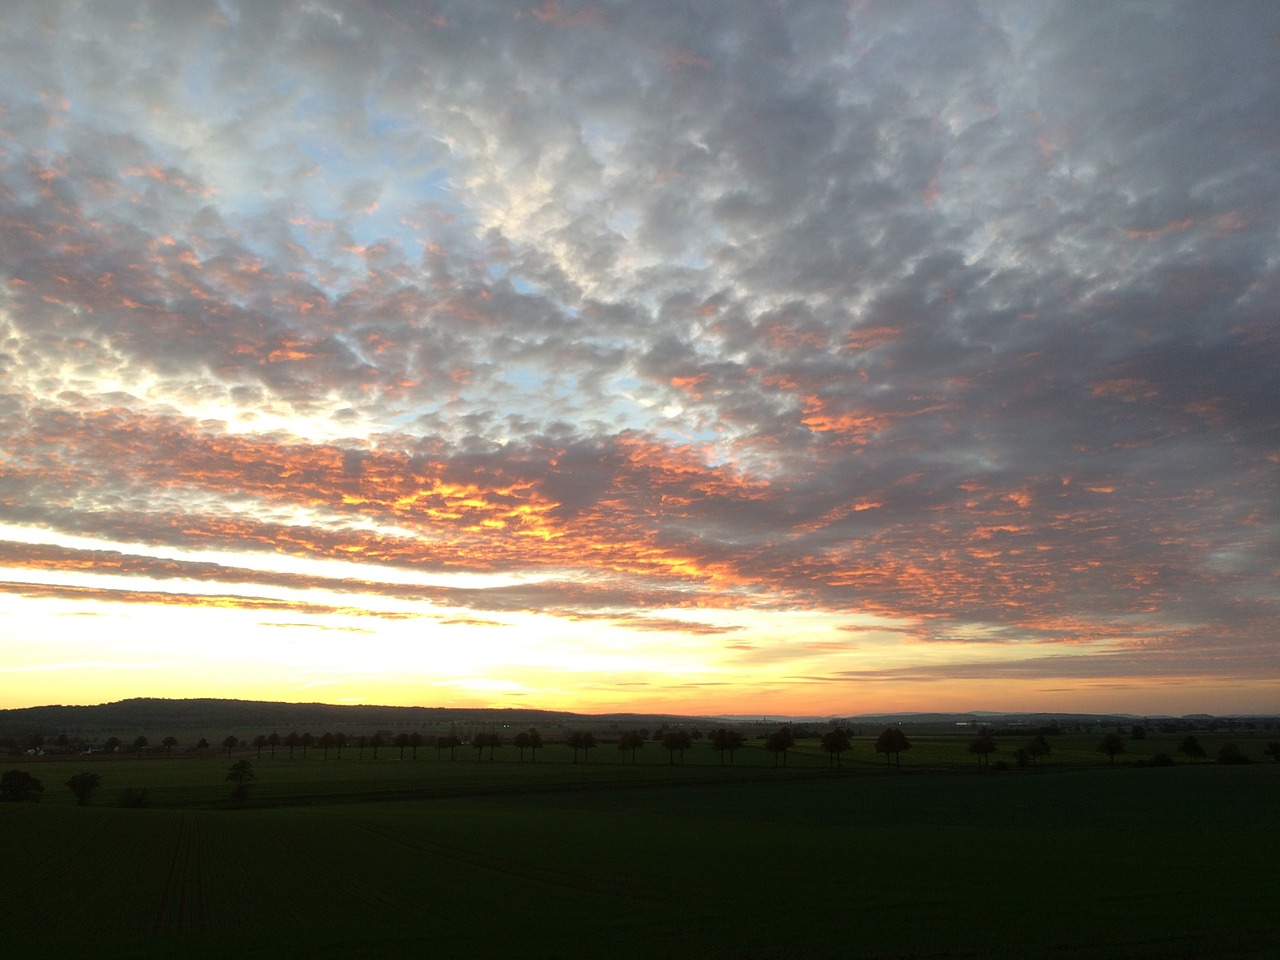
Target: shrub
134	798
1231	754
1161	760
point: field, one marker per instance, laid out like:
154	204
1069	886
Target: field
474	858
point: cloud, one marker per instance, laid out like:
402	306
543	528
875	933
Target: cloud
964	317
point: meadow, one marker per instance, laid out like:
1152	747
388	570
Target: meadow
605	858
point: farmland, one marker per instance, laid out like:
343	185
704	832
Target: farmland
476	858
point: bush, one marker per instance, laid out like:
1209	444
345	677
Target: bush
134	799
1161	760
1231	754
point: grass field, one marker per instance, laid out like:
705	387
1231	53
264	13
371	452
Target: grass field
608	859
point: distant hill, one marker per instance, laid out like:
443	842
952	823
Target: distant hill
165	717
158	716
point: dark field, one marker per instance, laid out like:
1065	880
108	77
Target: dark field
427	858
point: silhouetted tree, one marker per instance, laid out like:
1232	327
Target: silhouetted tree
835	742
535	743
983	746
326	743
1038	748
450	742
1272	751
376	741
1230	754
291	741
260	741
581	741
415	741
201	747
113	744
401	741
361	742
273	741
892	741
490	740
725	741
133	799
18	786
169	743
1111	745
139	744
241	775
521	742
83	784
1190	747
339	741
231	742
1139	732
631	740
306	740
676	741
778	743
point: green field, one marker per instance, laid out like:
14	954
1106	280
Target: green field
471	858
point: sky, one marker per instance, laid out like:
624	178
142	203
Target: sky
803	358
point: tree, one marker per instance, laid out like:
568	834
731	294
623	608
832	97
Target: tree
521	742
1138	732
83	784
482	740
260	741
1272	751
892	741
1038	748
18	786
778	743
361	742
291	741
306	740
133	799
1111	745
581	741
140	744
201	747
112	744
676	741
339	741
169	743
241	775
535	742
230	743
401	741
326	743
450	742
835	742
273	741
983	746
725	741
376	741
1230	754
1190	747
631	740
415	741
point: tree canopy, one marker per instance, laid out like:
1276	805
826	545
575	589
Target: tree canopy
892	742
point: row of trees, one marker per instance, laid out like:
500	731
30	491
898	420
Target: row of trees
836	742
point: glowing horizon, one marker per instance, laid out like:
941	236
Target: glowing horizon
594	356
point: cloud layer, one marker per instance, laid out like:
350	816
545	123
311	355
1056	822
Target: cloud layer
962	317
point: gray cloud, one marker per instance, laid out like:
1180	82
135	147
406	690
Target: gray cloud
963	313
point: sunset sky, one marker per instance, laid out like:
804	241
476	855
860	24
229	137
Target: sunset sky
708	357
